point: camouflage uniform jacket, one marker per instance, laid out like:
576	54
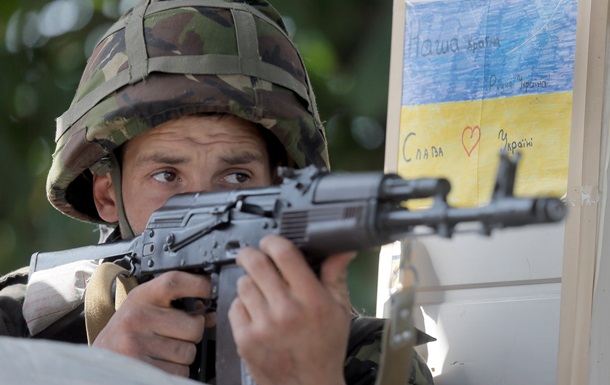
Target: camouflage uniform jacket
361	362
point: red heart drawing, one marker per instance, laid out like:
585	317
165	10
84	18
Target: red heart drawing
469	142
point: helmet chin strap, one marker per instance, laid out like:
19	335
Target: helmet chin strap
115	175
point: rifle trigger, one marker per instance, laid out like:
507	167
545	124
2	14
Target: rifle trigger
214	279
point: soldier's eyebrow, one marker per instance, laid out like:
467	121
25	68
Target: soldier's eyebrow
241	158
171	159
232	159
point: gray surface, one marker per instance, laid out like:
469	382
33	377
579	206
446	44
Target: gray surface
35	362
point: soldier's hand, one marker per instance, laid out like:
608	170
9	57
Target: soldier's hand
289	326
149	328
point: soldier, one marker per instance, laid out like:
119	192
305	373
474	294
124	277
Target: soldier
203	95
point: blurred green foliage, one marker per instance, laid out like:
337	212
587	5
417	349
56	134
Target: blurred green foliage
43	49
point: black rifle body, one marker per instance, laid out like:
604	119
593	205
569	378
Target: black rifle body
321	212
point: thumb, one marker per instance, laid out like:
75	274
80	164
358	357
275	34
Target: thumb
333	273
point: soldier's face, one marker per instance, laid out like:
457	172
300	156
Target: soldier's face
190	154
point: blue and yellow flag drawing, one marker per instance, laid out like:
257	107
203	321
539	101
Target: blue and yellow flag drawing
484	75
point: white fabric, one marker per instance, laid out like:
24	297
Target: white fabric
55	292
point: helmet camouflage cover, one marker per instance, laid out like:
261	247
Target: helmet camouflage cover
166	59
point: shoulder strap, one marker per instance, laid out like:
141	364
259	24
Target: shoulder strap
100	302
395	365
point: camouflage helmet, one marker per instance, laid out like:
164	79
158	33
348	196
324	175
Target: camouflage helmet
166	59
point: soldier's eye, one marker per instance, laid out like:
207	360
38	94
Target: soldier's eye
165	176
237	178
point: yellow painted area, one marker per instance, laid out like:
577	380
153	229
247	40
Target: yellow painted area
461	141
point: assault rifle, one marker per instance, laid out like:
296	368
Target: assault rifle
321	212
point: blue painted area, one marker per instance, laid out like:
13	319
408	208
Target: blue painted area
482	49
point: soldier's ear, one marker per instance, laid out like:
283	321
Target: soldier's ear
105	198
